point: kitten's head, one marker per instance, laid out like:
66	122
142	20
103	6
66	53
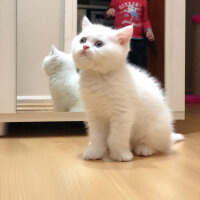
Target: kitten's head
99	48
57	61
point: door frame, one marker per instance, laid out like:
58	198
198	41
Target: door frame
174	61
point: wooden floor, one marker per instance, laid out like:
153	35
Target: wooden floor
40	162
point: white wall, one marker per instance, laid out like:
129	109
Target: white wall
40	23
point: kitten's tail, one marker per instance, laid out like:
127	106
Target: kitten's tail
176	137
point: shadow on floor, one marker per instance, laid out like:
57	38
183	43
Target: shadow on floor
44	129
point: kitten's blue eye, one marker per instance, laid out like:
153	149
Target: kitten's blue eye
98	44
83	40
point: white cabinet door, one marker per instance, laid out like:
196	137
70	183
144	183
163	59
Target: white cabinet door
70	23
8	56
39	25
175	56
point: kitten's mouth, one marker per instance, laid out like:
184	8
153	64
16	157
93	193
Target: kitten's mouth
83	52
86	54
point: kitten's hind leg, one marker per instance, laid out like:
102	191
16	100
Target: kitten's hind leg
144	150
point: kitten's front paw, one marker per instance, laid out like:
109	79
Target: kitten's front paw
123	156
94	153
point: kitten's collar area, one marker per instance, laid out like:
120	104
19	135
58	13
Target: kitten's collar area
102	72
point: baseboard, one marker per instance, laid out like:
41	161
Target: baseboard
34	104
37	104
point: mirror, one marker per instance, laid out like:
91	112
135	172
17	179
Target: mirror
39	25
41	38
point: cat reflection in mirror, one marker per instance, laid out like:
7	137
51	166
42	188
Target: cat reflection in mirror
63	81
126	109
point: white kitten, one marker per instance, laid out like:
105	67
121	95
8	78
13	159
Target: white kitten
126	109
63	81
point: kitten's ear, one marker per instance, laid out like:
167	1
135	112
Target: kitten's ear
124	34
85	22
53	50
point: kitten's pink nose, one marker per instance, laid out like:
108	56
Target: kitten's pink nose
85	47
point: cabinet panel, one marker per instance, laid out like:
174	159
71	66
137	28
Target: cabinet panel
8	56
70	23
175	54
39	25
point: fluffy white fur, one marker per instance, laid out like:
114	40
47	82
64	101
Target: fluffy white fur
63	81
126	109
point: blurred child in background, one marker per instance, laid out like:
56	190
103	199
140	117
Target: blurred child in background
127	12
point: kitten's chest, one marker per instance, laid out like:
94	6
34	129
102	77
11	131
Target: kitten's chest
96	87
104	91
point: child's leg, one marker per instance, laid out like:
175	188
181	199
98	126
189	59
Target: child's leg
137	53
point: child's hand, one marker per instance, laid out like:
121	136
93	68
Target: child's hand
150	35
110	12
